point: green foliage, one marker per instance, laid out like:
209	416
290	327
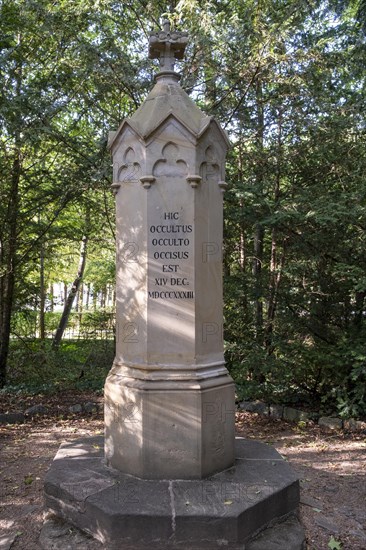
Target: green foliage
81	364
96	323
295	302
347	391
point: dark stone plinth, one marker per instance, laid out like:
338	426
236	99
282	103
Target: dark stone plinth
226	510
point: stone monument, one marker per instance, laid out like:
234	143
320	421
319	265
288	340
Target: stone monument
169	472
169	400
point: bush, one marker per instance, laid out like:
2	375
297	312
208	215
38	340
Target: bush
34	366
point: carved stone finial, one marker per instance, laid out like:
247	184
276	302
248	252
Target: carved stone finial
167	45
166	25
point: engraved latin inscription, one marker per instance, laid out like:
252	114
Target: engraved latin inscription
170	244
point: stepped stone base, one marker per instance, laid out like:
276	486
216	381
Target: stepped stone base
250	506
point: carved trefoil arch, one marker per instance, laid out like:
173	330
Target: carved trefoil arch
211	169
170	163
128	172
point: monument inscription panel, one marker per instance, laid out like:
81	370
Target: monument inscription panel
171	245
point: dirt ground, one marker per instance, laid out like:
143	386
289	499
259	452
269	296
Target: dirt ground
331	467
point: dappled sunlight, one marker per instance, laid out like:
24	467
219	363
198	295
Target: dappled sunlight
348	458
6	523
174	425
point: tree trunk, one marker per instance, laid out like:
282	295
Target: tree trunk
103	297
87	297
8	254
72	293
80	305
275	269
81	298
274	283
242	244
42	302
257	273
258	237
52	297
9	242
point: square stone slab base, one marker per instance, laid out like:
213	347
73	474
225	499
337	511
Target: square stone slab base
250	506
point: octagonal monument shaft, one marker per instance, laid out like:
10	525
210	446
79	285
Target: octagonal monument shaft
169	409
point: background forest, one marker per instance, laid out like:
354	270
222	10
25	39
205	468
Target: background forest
286	79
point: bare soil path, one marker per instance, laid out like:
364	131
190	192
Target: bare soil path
331	467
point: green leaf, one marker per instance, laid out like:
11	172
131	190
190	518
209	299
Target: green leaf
28	480
334	544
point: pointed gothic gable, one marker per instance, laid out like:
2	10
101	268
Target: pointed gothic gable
178	125
207	123
115	138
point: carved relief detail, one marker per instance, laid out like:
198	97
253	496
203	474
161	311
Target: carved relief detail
210	169
170	165
146	181
194	180
130	170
